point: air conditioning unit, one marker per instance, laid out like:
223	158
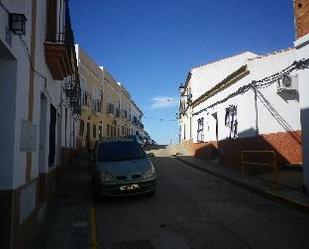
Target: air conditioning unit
288	83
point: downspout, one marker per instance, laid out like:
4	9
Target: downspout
31	83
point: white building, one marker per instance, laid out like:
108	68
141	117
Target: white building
226	115
301	8
200	83
39	97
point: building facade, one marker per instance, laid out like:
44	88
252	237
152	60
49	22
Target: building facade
39	105
92	111
107	108
136	115
301	12
222	112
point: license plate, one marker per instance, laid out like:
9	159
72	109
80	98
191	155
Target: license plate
130	187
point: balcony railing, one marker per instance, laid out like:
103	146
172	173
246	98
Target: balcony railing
97	105
110	108
124	113
59	44
117	112
73	94
86	99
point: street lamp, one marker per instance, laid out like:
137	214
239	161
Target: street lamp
181	88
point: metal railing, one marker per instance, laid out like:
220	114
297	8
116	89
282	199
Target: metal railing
97	105
86	98
273	164
117	112
110	108
124	114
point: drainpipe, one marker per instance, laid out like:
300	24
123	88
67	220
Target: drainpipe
256	116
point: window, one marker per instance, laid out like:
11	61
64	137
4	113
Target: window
231	121
95	93
200	124
82	83
81	127
200	129
122	130
94	131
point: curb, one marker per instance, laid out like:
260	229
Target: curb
267	194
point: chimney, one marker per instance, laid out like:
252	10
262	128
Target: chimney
301	15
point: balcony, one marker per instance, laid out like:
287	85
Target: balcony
97	106
59	40
117	112
86	99
110	109
124	114
73	94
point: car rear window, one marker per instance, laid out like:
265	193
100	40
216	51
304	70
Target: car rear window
120	151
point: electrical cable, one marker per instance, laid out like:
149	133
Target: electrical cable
263	83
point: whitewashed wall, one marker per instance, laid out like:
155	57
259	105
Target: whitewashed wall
206	77
276	112
302	52
18	82
245	114
14	172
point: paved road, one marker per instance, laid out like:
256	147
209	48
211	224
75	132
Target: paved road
195	210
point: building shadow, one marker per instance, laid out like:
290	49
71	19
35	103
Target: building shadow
284	124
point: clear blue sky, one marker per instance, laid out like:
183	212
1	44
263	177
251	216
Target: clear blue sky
150	45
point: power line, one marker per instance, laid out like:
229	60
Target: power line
160	119
263	83
4	8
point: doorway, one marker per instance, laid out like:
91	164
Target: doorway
42	133
52	136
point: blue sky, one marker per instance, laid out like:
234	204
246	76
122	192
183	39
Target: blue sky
150	45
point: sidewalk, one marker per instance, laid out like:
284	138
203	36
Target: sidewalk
66	222
287	192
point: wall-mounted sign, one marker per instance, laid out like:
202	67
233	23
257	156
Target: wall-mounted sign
28	136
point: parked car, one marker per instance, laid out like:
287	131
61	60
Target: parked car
135	138
122	168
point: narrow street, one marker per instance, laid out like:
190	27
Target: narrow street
192	209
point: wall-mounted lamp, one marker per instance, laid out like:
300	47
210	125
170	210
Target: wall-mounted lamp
17	23
181	88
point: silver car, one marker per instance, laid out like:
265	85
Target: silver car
122	168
